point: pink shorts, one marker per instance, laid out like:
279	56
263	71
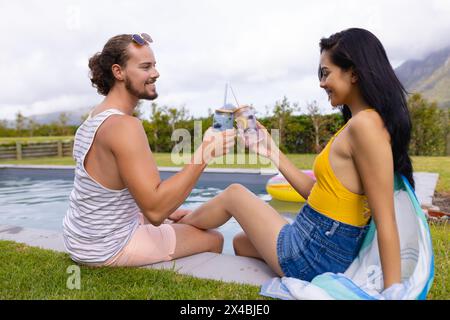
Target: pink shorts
149	244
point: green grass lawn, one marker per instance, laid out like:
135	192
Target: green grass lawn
33	273
440	234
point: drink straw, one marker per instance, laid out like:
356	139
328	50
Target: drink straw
232	91
226	92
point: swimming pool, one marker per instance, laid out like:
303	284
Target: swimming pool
37	197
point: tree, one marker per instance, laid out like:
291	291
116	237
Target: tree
282	112
319	123
137	112
20	123
177	115
61	124
298	135
446	121
32	126
429	127
5	131
158	130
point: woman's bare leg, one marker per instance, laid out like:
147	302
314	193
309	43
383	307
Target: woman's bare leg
261	222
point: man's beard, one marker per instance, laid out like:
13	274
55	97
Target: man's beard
140	95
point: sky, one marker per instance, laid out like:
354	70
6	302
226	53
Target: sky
264	49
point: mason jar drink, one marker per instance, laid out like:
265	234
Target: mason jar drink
223	119
246	124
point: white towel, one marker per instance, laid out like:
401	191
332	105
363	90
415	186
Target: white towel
364	279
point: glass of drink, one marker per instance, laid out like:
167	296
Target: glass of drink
246	124
223	119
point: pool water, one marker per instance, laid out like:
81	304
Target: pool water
42	204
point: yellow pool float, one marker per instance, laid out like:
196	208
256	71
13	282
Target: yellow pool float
279	188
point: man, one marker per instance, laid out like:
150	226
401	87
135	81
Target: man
119	202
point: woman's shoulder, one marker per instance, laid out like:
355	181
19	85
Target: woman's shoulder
368	124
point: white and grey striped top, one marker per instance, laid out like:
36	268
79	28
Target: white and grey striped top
99	221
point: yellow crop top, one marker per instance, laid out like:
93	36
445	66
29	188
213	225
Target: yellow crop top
329	196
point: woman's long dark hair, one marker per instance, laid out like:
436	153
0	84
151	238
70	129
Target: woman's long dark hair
361	51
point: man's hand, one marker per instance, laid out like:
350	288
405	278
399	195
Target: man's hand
215	144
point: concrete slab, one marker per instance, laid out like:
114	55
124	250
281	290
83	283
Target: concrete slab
230	268
227	268
425	186
185	265
44	239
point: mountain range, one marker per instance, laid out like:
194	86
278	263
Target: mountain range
429	76
73	117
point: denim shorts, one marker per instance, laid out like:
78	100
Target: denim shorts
314	244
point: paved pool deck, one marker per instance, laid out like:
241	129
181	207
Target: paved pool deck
228	268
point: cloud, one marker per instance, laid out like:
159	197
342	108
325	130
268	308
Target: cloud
59	103
266	49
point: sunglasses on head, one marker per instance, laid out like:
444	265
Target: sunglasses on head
142	39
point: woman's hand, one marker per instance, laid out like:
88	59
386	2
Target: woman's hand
265	147
217	143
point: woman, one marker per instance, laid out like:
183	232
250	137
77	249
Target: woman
355	173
